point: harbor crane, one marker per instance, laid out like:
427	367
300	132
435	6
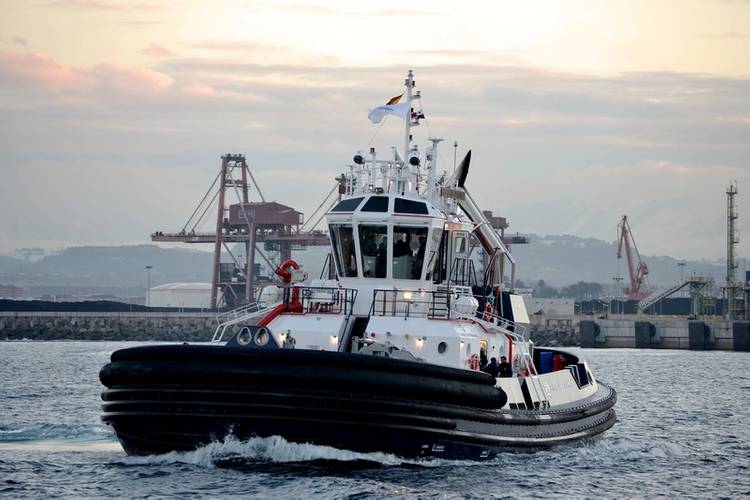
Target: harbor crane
637	288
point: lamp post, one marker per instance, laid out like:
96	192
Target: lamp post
682	277
682	269
617	279
148	285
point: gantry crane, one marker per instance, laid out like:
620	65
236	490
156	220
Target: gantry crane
246	223
638	288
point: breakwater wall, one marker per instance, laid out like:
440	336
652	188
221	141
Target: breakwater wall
665	333
168	326
648	333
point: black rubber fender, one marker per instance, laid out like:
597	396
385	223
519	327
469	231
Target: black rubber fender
361	381
295	357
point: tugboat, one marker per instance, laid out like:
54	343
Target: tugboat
385	351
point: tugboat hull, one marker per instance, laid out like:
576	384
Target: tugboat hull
177	398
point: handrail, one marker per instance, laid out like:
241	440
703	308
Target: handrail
518	333
239	315
238	312
321	300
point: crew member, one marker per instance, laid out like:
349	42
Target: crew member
505	369
492	368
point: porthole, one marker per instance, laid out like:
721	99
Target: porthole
262	336
244	337
442	347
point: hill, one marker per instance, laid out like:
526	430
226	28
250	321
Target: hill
562	259
559	260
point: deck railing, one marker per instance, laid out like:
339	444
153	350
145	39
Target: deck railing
320	299
411	303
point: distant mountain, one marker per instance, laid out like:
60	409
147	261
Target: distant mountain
563	260
558	260
115	265
11	265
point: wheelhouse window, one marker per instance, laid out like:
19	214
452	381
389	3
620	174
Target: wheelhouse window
404	206
348	205
376	204
372	244
409	244
344	251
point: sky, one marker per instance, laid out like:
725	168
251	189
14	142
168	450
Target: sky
114	115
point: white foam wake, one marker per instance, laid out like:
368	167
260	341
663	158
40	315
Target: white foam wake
272	449
630	449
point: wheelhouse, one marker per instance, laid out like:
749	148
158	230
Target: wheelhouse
386	237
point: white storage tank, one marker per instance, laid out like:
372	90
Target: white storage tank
181	295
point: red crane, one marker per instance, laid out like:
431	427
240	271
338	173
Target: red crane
638	288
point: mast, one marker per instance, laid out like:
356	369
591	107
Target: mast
409	83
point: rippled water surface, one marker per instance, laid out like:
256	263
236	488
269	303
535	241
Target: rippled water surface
683	430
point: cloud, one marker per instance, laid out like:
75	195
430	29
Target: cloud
727	35
298	8
555	152
137	23
237	52
84	5
743	120
20	41
101	5
29	71
156	50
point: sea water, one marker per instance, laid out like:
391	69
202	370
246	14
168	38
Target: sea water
683	430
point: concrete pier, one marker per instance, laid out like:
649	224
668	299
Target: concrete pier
666	333
646	332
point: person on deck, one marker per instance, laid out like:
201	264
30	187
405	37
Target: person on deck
505	369
492	368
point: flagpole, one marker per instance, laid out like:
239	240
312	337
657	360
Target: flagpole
409	82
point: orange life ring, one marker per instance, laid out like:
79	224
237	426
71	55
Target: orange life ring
474	362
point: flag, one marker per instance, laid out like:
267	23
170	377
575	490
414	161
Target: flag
401	110
394	100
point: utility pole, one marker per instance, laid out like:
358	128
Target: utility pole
732	240
682	269
148	285
617	279
681	265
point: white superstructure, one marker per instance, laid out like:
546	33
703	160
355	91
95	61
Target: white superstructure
406	284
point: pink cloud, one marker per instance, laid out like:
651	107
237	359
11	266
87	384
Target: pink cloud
156	50
727	35
84	5
38	70
129	78
93	5
205	91
36	78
